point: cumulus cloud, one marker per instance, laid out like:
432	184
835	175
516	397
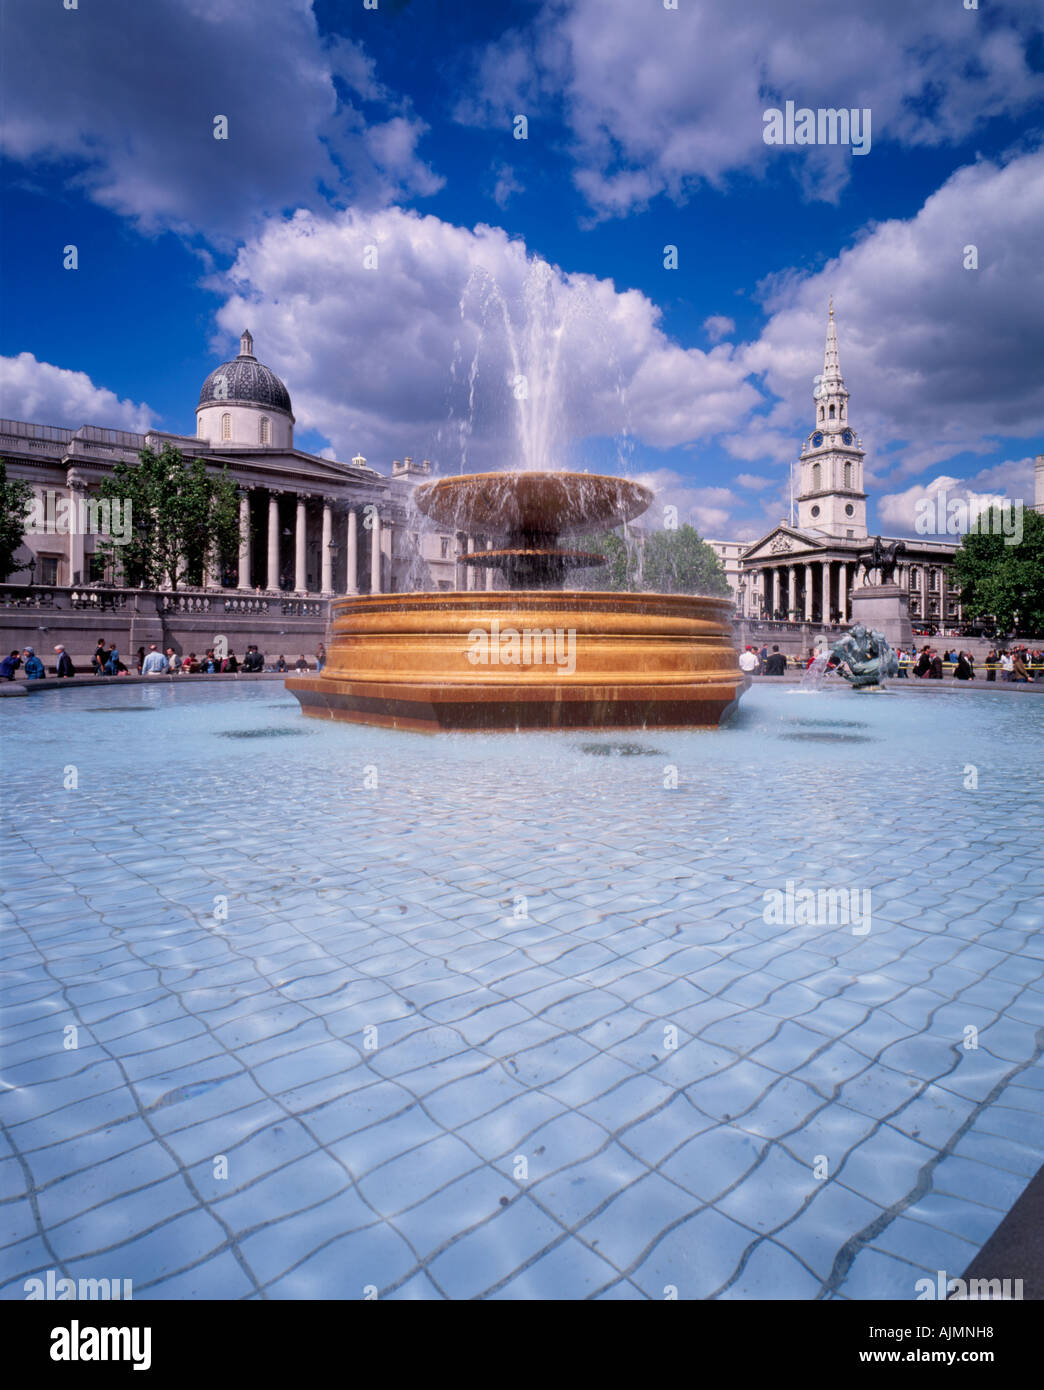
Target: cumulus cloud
506	185
132	92
462	347
940	360
44	394
659	100
754	481
1010	481
719	326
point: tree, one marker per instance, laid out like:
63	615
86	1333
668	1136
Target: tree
180	515
662	562
1003	581
15	500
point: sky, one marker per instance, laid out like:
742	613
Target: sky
643	266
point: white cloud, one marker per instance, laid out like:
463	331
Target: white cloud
1010	481
719	326
939	360
659	100
506	186
755	482
44	394
421	355
132	92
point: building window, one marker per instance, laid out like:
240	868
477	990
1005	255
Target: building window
821	412
848	477
831	412
226	427
200	428
445	545
264	431
816	474
46	569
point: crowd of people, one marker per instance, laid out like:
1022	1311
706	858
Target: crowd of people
1013	664
106	661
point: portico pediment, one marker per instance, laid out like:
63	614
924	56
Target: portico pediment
782	543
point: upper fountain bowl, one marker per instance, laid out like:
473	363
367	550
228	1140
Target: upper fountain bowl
534	503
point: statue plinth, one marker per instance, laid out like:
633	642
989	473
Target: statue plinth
884	608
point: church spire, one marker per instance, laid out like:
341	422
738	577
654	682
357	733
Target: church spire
831	364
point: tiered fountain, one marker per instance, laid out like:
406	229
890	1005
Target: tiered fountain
532	655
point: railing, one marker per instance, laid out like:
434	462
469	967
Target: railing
96	598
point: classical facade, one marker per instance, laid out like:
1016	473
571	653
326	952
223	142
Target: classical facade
806	572
310	526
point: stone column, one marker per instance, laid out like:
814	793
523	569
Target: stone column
924	593
808	592
375	554
272	578
842	591
352	576
212	574
77	549
824	611
792	597
300	556
327	555
244	539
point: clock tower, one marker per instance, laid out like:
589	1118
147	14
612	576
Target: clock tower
831	497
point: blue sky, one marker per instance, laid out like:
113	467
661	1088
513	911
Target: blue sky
395	128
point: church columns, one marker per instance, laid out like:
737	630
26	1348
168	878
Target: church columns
327	553
842	591
352	576
244	539
300	554
824	602
792	607
375	554
272	578
808	592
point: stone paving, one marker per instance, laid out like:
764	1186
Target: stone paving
511	1022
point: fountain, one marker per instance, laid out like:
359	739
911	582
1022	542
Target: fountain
532	655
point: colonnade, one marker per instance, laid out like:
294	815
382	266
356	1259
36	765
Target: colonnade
337	529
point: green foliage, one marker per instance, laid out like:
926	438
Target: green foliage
15	499
1005	582
663	562
180	515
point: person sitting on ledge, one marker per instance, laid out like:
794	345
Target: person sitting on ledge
63	666
964	670
34	667
230	663
112	662
190	666
173	661
300	664
776	665
281	664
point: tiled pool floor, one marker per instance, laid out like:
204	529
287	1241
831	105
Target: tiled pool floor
503	1017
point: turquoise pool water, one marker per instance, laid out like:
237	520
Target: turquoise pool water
517	1016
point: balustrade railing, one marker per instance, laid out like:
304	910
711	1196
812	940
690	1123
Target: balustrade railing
94	598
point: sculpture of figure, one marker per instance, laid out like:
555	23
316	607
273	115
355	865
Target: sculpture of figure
863	658
883	558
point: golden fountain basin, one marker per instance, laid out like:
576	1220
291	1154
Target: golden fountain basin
527	659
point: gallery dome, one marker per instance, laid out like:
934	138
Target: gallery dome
245	381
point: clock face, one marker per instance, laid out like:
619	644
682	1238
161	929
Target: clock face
817	440
847	436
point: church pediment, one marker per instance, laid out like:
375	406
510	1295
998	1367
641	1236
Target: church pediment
782	542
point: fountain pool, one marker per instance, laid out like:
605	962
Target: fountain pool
502	1015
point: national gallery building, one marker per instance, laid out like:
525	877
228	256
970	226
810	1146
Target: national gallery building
311	526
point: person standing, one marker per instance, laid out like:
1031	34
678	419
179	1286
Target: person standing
1006	664
139	660
749	661
155	664
776	665
112	661
935	671
173	661
991	664
63	667
9	666
99	658
320	657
